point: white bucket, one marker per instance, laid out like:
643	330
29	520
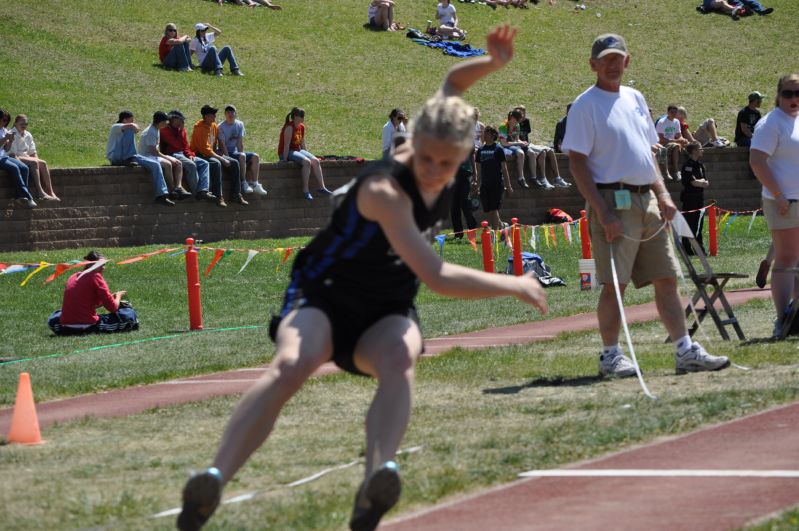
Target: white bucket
588	274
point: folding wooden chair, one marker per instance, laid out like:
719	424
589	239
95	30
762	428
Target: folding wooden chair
704	282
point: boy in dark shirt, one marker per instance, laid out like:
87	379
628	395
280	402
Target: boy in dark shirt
694	183
746	120
491	167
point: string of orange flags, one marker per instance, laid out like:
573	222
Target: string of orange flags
32	269
546	235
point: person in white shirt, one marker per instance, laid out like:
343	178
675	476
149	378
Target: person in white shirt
23	148
14	169
670	136
231	137
774	158
446	15
208	57
609	142
394	125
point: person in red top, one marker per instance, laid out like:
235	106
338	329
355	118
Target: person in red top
174	50
292	147
84	293
175	142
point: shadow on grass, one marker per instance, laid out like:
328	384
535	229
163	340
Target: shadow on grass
767	340
556	381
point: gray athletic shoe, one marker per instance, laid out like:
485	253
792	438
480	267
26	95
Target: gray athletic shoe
616	364
696	359
201	497
376	497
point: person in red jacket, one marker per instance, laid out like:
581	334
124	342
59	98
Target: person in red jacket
84	293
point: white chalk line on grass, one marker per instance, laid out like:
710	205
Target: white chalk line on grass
313	477
655	473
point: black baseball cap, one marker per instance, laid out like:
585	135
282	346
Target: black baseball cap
207	109
608	43
160	116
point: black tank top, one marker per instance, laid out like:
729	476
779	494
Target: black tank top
352	258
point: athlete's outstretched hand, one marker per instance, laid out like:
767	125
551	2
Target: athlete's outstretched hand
500	44
531	292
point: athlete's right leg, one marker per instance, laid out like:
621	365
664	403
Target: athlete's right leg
304	342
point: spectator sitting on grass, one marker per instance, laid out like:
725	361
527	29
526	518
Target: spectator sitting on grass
746	120
121	151
14	168
381	14
205	142
706	134
174	142
291	147
670	136
394	125
231	140
23	148
148	147
174	50
84	293
209	59
753	6
252	3
560	131
721	6
447	27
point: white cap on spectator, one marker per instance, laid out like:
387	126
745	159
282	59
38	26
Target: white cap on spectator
200	26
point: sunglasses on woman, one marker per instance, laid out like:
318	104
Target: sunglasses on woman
787	94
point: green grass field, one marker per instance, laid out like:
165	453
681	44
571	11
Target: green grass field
72	66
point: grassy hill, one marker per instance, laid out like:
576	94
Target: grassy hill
71	66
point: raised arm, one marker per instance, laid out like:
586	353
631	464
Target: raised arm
500	51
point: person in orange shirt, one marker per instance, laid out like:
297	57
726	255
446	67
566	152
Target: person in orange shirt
291	147
204	142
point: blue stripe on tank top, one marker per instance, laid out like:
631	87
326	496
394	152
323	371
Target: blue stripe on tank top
328	255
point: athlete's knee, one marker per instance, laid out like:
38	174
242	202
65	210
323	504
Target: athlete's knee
293	371
397	362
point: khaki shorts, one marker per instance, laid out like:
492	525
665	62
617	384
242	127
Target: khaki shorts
641	262
777	222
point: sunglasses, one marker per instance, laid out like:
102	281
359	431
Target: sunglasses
789	93
172	29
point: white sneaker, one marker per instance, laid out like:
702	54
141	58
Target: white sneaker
258	189
719	143
696	359
559	182
245	188
678	176
543	183
616	364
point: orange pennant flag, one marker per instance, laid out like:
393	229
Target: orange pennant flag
554	237
471	235
286	255
217	257
60	269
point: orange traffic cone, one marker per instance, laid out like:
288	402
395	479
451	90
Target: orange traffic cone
24	422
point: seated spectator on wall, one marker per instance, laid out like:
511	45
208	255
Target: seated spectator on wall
205	142
514	148
149	144
121	151
560	131
174	50
86	291
670	136
291	147
381	14
15	169
746	120
174	142
540	154
209	59
706	134
231	140
479	127
23	148
394	125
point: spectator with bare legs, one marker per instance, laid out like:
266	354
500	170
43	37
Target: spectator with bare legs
706	134
670	136
542	155
16	170
514	148
381	14
23	148
292	148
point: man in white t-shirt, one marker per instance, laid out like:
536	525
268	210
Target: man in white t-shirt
609	141
445	13
670	136
394	125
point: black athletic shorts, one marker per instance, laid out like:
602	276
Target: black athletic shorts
349	319
491	197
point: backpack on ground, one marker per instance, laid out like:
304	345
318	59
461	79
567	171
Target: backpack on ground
533	262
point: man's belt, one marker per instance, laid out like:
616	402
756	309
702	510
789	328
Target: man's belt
643	189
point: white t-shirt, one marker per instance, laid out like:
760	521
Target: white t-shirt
388	134
446	14
201	49
478	134
777	135
615	132
668	128
23	144
149	138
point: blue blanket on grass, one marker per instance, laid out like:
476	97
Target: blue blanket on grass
456	49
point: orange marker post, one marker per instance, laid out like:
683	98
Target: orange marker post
711	229
585	240
193	285
488	252
518	267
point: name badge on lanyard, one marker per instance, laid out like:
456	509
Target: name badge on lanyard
623	199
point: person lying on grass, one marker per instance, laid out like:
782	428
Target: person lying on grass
351	296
